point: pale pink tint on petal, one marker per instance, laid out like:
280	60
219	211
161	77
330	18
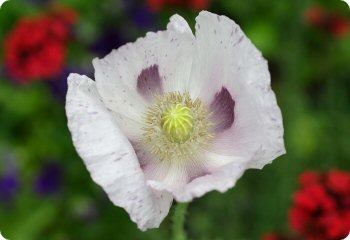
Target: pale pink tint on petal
128	78
177	178
226	58
169	53
109	156
224	171
173	174
232	77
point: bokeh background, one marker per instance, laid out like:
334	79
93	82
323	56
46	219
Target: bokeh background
45	189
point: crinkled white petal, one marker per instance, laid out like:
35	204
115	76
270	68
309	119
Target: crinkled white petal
180	177
109	156
223	173
117	74
173	174
226	57
221	58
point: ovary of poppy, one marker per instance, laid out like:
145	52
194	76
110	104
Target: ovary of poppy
174	116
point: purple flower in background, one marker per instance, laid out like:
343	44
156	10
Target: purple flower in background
139	13
143	17
9	185
109	40
9	179
59	86
50	179
113	37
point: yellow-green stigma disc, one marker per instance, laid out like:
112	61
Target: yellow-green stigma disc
177	123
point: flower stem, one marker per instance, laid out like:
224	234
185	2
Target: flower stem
179	217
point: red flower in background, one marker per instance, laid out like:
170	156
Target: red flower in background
272	236
36	47
157	5
332	22
279	236
321	208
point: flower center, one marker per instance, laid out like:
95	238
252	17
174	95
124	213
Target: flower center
176	127
177	122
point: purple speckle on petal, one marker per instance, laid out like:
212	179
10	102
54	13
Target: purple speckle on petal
149	82
222	109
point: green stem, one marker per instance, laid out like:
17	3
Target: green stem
179	217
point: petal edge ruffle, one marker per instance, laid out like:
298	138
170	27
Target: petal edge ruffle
109	156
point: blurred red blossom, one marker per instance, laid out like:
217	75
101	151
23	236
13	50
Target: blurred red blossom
36	47
332	22
157	5
280	236
272	236
321	207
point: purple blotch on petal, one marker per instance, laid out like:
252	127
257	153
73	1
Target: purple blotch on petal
223	110
149	82
198	175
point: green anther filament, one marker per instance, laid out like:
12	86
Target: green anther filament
177	123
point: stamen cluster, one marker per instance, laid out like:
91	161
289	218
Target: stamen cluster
176	127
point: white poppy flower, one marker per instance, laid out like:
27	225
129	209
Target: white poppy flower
1	237
174	116
347	2
2	2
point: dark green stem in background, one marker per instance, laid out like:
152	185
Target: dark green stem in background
179	217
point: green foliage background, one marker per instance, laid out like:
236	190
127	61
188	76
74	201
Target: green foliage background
310	76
